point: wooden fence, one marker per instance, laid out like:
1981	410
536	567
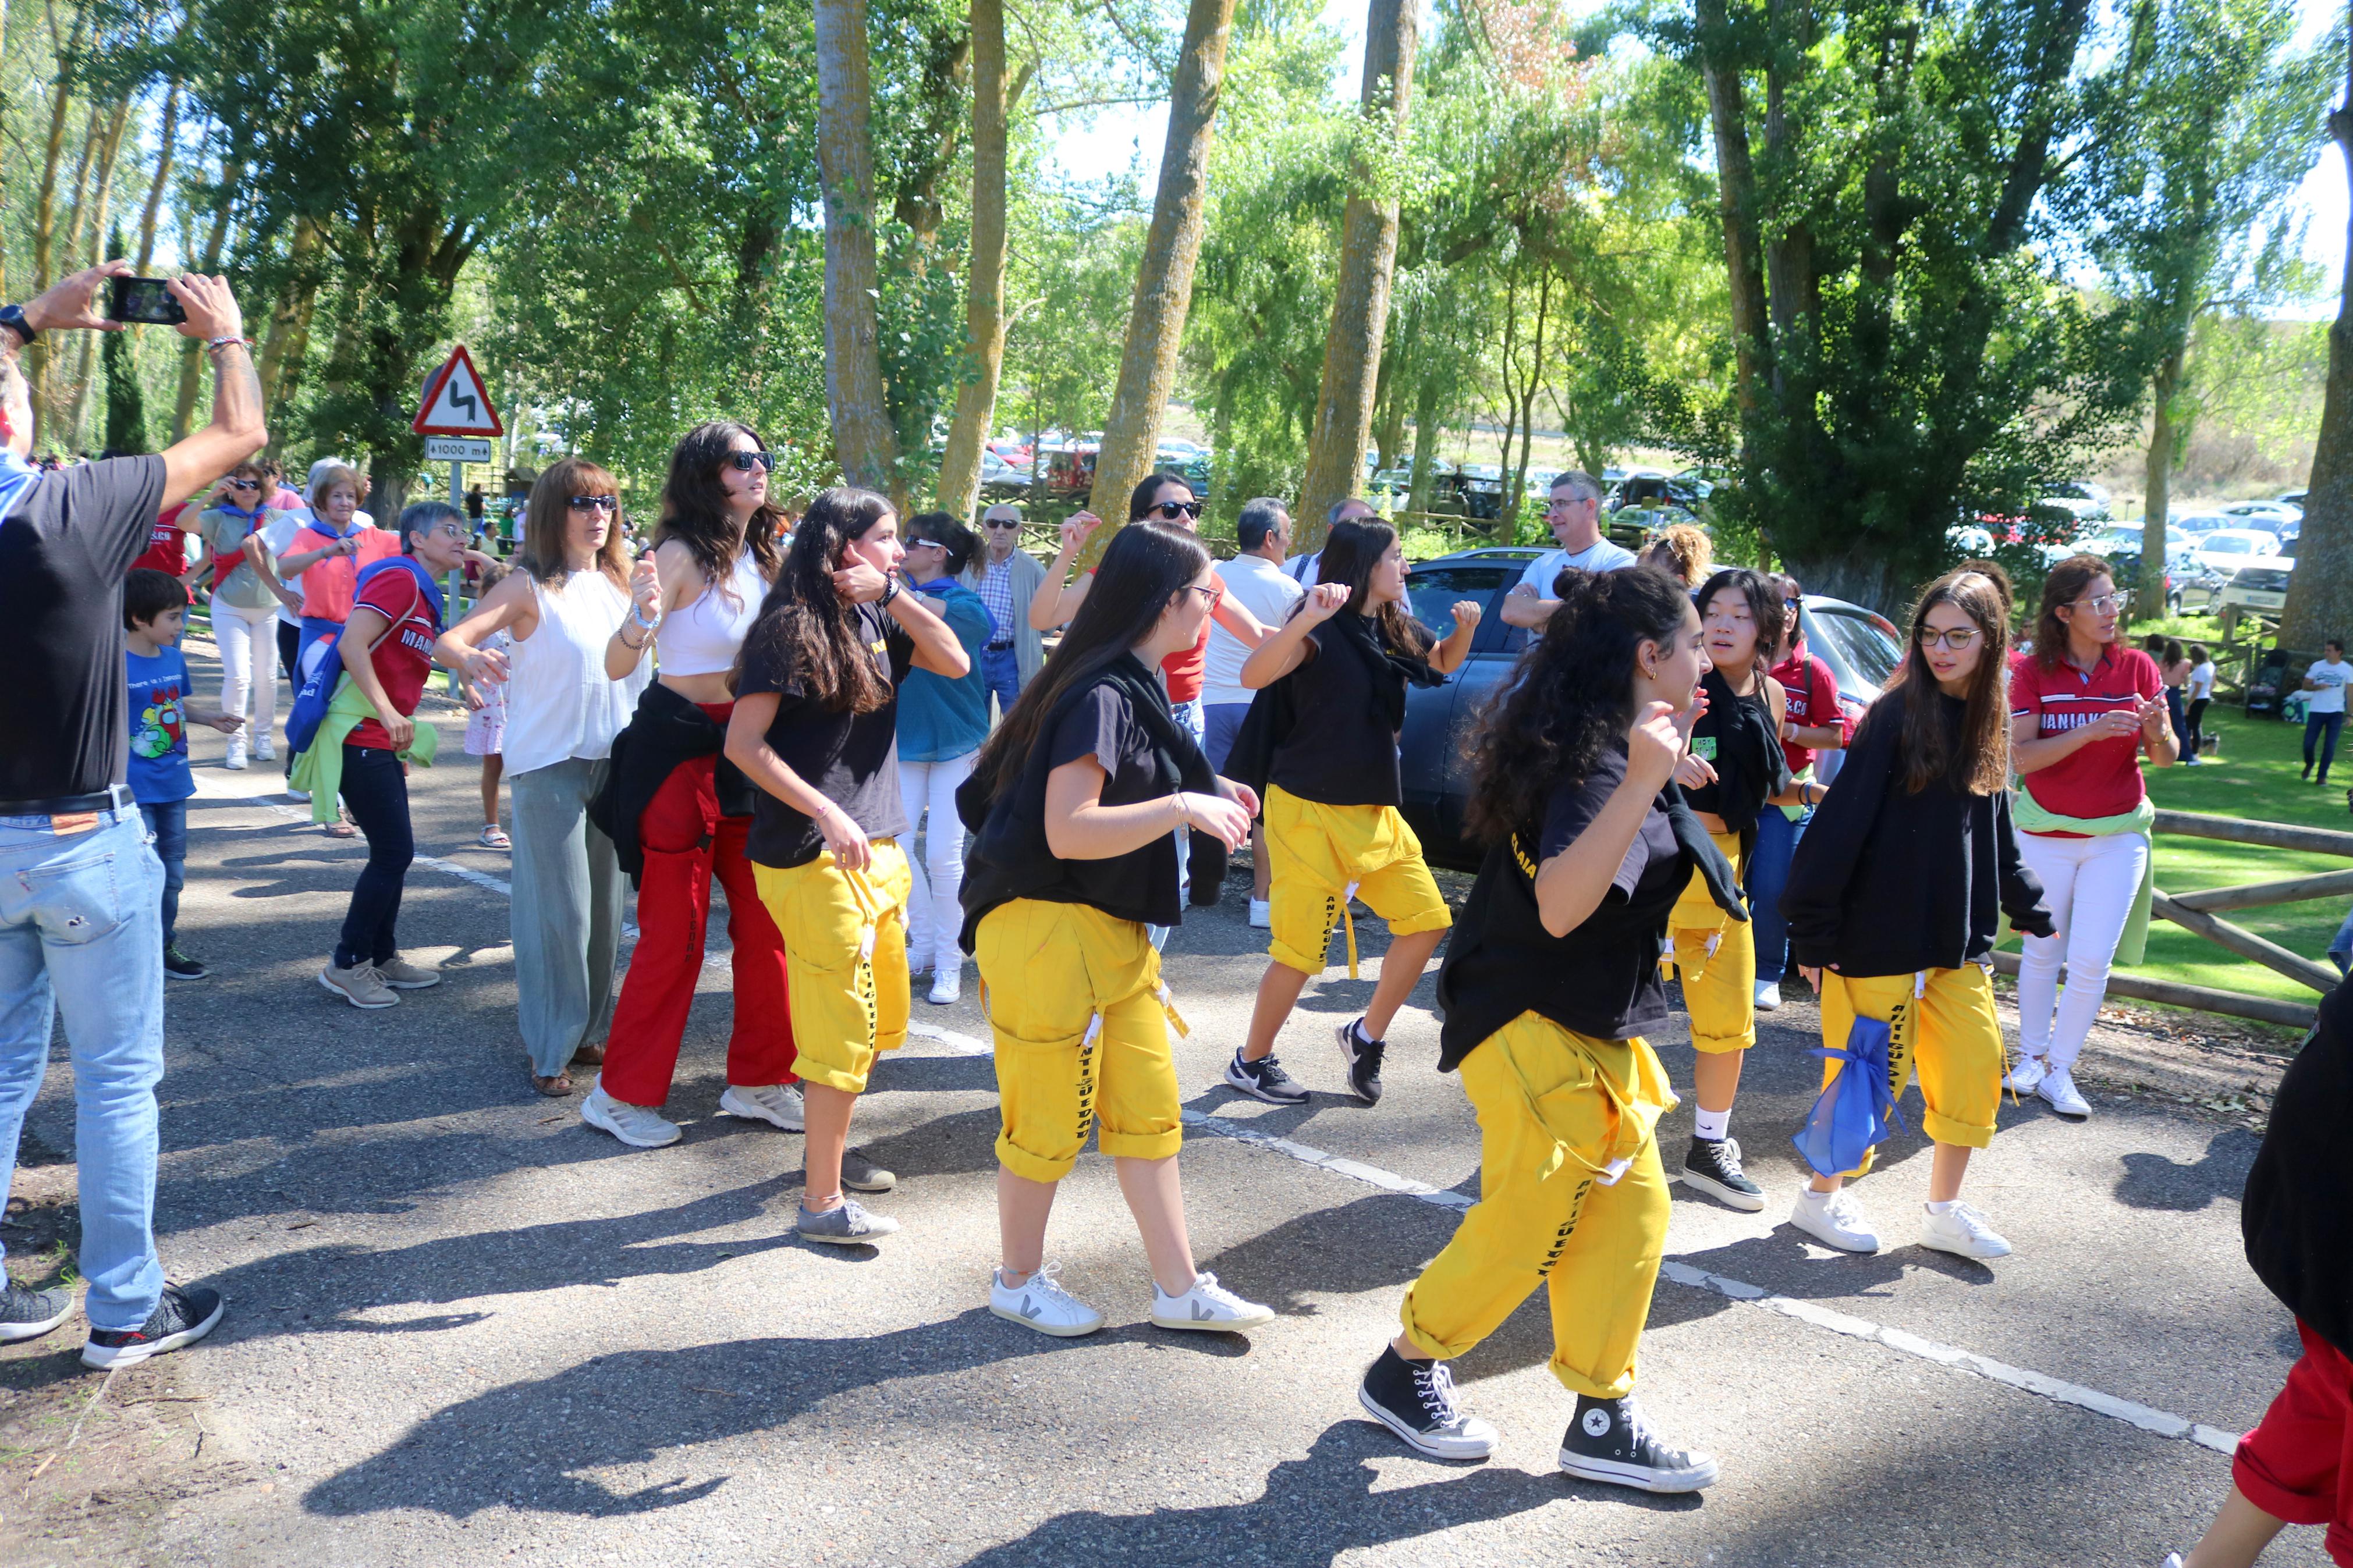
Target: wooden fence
2201	913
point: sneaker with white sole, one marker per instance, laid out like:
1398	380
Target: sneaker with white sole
1834	1219
2028	1074
1712	1166
27	1314
1609	1441
293	794
403	975
183	1315
947	985
1768	996
777	1104
1963	1232
2058	1088
263	751
1264	1080
1415	1399
847	1224
1261	914
860	1175
638	1126
1360	1061
235	760
1208	1306
360	985
1039	1302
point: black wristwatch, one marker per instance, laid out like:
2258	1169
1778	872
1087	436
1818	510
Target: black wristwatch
13	318
889	592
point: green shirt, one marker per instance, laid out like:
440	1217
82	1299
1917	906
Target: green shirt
224	534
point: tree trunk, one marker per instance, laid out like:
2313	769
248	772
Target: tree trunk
289	336
1737	200
183	405
855	396
1164	284
110	151
984	300
2164	387
2320	590
1360	304
165	135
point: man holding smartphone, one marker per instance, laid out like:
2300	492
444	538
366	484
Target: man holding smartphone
80	886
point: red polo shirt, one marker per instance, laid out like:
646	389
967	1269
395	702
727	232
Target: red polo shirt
1812	693
2101	779
167	547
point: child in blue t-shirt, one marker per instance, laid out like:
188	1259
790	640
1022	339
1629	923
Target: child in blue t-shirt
153	604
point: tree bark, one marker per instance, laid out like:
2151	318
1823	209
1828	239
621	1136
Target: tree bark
110	150
283	347
983	297
1360	304
2320	590
1164	284
855	396
2164	387
1425	445
1736	198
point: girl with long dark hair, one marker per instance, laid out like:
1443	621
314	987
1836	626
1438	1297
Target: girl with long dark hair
679	813
2084	707
815	730
1334	831
1078	794
1735	772
1896	897
1549	988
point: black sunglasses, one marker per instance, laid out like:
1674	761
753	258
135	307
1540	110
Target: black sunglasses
745	462
244	484
596	503
1001	522
1172	509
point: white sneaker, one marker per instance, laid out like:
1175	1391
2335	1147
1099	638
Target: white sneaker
947	985
1962	1231
235	760
1039	1302
2025	1076
293	794
777	1104
2057	1087
1261	914
635	1125
1834	1219
263	750
1768	996
1208	1305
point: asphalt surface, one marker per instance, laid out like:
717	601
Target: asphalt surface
463	1328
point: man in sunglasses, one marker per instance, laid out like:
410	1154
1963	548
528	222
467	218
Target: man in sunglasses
1007	578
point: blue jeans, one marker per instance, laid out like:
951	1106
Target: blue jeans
167	822
376	788
2322	727
1769	873
1001	669
79	920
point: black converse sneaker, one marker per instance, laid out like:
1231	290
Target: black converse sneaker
27	1314
1265	1080
1610	1442
183	1316
178	966
1415	1399
1362	1057
1712	1166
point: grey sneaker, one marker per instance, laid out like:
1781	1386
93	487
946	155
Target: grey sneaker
638	1126
27	1314
360	985
860	1175
847	1224
777	1104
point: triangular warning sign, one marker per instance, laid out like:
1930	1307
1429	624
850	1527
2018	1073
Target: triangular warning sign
455	402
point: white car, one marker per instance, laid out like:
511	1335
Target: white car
2260	586
2227	549
2263	514
2079	498
2129	538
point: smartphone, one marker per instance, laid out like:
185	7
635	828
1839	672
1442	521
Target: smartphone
145	299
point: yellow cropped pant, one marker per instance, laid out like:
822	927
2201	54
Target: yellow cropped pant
1082	1026
845	960
1571	1195
1319	856
1715	958
1944	1028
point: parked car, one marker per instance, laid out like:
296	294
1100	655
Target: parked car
1069	470
2196	522
1001	480
2079	498
2226	549
2262	586
2293	498
1862	649
2263	513
1483	490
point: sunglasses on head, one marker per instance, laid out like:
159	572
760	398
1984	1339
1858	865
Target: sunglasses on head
1172	509
745	462
595	503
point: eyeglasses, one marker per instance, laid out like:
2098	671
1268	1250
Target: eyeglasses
449	531
745	462
596	503
1213	597
1172	509
1956	640
2104	604
1013	522
244	484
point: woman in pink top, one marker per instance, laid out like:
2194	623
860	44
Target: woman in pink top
328	553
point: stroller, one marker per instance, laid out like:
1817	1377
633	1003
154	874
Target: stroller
2268	691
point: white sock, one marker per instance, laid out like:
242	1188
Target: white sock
1945	1208
1712	1125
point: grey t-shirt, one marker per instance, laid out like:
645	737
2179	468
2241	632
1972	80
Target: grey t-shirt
1598	556
64	547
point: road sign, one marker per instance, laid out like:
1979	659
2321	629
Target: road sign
456	402
456	449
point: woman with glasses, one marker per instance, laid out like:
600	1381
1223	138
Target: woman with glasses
1812	721
941	723
247	597
2084	707
678	812
1334	831
560	609
1897	895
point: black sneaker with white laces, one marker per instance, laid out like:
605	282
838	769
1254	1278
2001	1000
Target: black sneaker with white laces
1713	1167
1415	1399
1362	1057
1610	1441
178	966
184	1315
27	1314
1265	1080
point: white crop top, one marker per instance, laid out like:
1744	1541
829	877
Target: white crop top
704	638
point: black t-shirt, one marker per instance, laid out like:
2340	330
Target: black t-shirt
64	549
852	759
1737	736
1341	750
1101	725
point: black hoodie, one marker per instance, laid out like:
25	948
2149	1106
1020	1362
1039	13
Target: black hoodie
2297	1213
1889	882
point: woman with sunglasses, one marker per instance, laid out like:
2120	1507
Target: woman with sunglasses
1334	831
1897	895
2085	708
1812	721
560	608
678	812
246	599
941	723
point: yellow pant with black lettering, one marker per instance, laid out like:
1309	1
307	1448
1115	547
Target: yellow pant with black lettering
1081	1037
1558	1113
1320	856
1719	985
1944	1029
845	960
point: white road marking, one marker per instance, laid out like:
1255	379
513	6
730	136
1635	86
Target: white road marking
227	795
2148	1419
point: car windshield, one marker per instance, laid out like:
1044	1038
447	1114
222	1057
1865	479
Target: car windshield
1855	642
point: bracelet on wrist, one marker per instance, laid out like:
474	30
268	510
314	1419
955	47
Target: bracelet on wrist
214	345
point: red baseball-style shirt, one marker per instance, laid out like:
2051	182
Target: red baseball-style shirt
1813	704
167	547
403	660
2102	779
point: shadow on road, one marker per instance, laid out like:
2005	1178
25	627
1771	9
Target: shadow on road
2153	1181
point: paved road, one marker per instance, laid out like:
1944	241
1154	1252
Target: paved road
464	1329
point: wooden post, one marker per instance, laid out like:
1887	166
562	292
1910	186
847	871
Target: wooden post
2197	998
2247	945
2295	889
2271	835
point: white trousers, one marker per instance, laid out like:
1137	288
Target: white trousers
2089	884
249	656
933	915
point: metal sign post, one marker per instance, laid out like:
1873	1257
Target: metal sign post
456	420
